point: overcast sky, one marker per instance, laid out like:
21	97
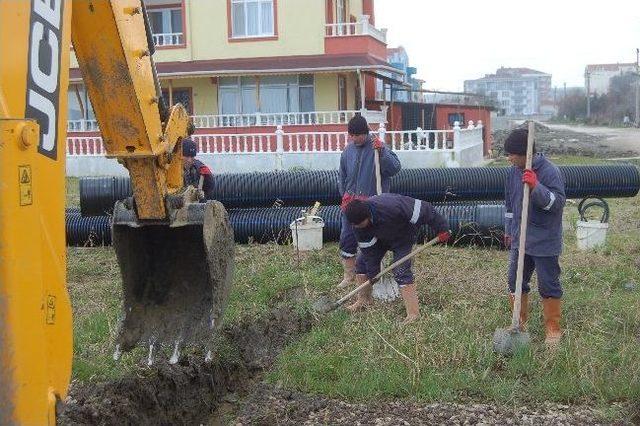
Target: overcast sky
450	41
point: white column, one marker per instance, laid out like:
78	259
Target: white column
279	147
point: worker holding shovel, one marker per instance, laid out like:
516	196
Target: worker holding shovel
543	242
357	180
390	222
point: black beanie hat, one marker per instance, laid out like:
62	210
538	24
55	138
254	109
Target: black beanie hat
189	148
358	125
516	142
357	211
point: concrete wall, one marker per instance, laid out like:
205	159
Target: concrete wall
326	92
469	156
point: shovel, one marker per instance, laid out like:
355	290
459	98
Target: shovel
325	305
386	289
507	340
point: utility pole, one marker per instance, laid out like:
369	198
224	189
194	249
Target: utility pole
587	76
637	120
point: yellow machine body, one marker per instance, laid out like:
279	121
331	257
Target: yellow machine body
35	313
176	281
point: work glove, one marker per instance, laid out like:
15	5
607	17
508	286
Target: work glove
378	144
530	178
507	241
444	236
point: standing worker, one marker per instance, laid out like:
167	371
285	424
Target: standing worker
195	172
390	222
544	230
357	180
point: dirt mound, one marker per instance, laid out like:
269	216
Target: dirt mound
190	391
269	405
561	142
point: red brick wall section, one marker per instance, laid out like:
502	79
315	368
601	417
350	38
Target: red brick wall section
367	9
470	113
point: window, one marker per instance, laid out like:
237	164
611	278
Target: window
252	18
456	116
180	96
278	94
342	93
79	105
166	26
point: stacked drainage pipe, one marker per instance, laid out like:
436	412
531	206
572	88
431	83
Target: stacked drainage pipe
476	222
303	188
470	223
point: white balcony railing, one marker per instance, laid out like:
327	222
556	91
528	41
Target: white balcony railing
307	142
259	119
82	126
168	39
285	118
362	27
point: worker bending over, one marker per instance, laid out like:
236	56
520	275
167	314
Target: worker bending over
544	230
195	172
390	222
357	180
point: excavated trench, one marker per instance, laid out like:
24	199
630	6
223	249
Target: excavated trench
190	391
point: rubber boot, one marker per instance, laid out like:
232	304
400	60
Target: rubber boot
551	311
524	308
349	272
410	299
364	298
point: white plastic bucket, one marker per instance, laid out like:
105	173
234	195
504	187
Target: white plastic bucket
307	236
591	234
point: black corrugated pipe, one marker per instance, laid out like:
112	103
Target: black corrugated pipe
471	223
242	190
99	194
87	231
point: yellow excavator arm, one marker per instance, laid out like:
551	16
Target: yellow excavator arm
175	254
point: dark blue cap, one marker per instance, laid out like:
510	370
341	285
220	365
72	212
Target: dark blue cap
189	148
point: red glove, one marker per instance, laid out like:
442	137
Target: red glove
377	144
507	241
444	236
530	178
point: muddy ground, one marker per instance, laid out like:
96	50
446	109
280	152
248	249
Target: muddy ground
270	405
231	392
561	141
190	391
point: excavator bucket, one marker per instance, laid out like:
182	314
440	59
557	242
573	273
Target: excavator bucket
176	278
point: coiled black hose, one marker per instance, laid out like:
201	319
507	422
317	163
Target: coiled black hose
589	203
302	188
470	223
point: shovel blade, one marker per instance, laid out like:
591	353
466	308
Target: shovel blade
176	279
507	341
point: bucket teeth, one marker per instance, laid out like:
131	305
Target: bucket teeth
175	357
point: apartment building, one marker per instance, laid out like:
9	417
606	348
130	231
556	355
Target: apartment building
518	91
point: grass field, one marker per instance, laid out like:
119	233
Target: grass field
447	355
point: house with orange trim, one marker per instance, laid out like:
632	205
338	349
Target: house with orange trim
243	66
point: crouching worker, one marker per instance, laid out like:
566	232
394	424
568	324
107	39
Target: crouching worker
390	222
195	172
544	230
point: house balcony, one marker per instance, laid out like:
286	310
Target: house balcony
168	39
355	37
320	120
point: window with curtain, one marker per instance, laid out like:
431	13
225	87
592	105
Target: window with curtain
165	21
180	96
252	18
278	94
79	106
